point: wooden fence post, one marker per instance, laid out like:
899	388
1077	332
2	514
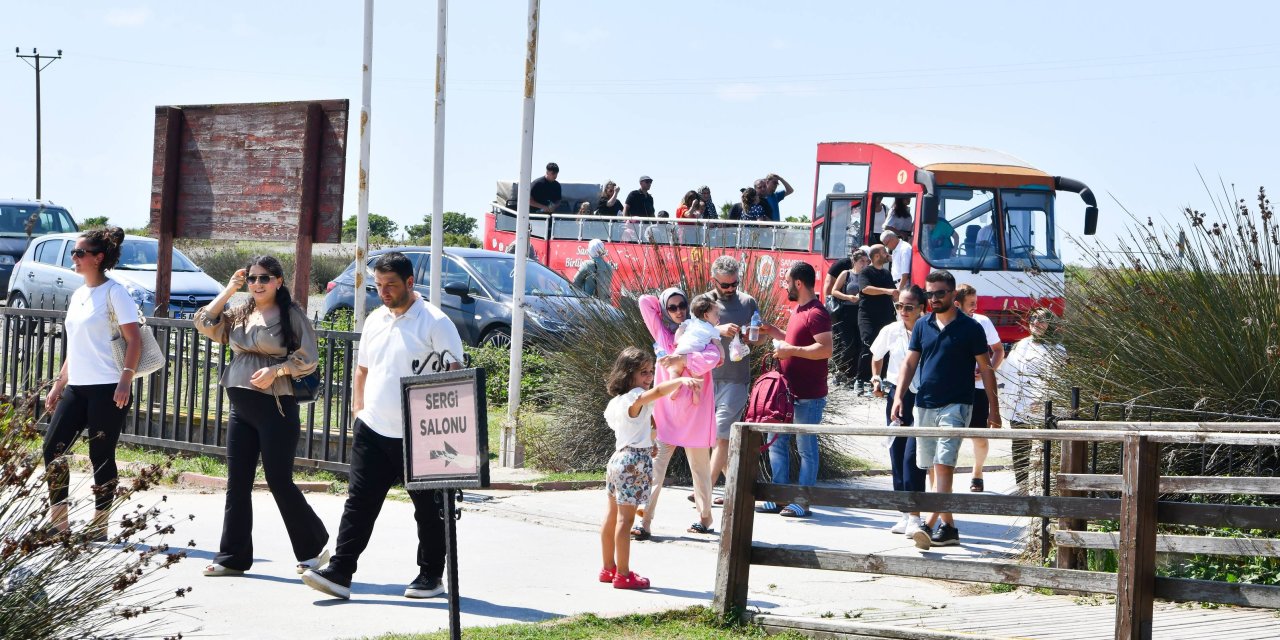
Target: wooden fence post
1072	461
1135	580
734	563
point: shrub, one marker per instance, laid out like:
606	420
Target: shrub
62	585
576	437
496	364
221	259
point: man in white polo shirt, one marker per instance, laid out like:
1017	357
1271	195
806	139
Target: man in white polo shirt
404	333
900	250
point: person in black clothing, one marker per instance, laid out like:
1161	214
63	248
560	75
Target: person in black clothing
639	203
845	298
544	193
608	204
875	307
709	210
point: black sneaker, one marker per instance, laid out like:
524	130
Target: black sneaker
424	586
328	580
946	536
922	537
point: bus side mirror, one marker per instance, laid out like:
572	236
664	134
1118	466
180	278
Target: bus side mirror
929	209
1090	220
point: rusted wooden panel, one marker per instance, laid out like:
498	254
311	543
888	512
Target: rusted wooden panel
733	567
1136	556
1219	515
973	503
168	129
922	567
241	169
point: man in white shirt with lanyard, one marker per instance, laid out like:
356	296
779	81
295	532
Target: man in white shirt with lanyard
399	339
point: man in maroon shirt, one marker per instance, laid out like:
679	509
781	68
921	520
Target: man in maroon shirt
802	352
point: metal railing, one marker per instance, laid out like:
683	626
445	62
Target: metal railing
181	407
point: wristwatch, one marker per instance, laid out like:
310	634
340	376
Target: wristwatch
280	372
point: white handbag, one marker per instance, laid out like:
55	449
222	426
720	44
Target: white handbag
151	360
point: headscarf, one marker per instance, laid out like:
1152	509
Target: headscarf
667	322
595	248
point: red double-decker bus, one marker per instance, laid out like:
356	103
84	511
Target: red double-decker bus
986	216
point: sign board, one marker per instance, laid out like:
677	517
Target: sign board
446	443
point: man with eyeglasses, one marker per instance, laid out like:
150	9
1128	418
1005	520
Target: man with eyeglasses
733	379
945	345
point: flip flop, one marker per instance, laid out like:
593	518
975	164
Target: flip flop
698	527
794	511
768	507
975	485
640	534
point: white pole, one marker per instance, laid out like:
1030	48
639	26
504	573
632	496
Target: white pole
437	178
511	456
362	214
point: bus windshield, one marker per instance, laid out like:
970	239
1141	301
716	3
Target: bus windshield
964	237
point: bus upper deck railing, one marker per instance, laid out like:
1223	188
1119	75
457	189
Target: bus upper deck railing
1138	508
706	232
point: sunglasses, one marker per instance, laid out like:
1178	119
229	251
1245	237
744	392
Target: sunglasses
80	253
939	294
683	306
260	279
904	307
727	285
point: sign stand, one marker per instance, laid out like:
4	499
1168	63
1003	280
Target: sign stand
446	449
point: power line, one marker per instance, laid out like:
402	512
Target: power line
34	61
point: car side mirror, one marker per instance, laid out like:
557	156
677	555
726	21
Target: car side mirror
459	289
1090	220
929	209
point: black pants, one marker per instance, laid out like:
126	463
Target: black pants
85	406
902	452
255	429
377	463
847	355
869	326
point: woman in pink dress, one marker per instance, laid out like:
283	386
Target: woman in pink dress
682	420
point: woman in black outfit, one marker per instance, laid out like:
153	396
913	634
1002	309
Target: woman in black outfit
272	342
848	358
91	390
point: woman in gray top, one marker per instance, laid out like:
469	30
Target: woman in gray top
271	343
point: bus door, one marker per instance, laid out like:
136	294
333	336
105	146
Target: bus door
840	218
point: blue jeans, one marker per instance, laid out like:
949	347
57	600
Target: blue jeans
807	412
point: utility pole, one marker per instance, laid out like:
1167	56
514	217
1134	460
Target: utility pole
34	60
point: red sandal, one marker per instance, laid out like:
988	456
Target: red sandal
607	575
630	581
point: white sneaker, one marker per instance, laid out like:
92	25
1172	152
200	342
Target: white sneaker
314	563
914	523
901	527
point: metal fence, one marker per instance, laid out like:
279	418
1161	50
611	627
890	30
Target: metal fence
181	407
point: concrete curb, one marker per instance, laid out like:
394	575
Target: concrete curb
573	485
200	480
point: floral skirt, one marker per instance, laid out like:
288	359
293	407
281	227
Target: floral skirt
629	476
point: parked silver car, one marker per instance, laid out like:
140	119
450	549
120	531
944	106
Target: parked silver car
45	279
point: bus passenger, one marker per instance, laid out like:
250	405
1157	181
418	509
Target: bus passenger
608	204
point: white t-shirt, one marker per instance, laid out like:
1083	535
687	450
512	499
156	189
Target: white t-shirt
993	338
893	340
89	356
693	336
1024	378
388	347
901	261
628	431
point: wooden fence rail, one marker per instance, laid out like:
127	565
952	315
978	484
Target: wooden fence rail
1137	507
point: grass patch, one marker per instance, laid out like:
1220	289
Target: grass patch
695	623
573	476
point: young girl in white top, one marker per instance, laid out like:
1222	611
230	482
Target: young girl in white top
629	474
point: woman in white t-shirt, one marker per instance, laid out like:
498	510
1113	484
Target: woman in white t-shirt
890	349
629	475
91	390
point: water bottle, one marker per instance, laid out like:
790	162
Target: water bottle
658	351
753	330
755	319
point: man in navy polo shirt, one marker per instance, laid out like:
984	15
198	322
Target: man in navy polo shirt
944	345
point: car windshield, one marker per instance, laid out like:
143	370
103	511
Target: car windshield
141	255
19	220
499	273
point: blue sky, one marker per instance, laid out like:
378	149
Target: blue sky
1129	98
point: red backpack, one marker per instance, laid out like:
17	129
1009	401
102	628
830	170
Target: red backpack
771	400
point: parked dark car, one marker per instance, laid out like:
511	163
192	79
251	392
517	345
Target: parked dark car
477	293
22	220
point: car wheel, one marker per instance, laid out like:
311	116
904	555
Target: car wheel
497	337
24	325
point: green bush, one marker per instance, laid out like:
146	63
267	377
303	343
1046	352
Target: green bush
496	364
221	259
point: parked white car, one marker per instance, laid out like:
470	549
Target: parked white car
44	278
